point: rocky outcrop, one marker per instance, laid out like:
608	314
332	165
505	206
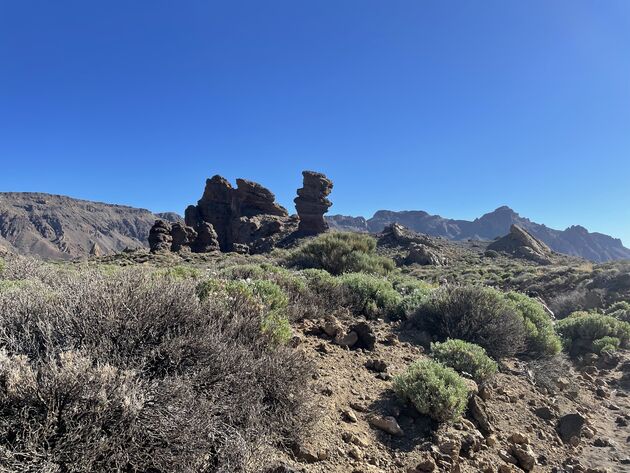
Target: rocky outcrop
522	244
421	249
179	237
160	239
245	216
311	203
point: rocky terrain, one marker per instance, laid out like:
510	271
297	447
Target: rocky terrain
339	339
62	228
575	240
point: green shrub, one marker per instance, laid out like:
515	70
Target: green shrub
434	389
465	357
413	291
475	314
321	282
620	311
291	282
370	295
580	330
541	338
266	294
606	344
340	253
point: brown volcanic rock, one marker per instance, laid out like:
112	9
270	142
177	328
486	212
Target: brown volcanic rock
206	239
311	203
252	199
522	244
160	238
183	236
246	217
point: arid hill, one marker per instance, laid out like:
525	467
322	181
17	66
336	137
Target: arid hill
60	227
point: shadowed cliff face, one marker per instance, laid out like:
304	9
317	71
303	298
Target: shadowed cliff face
575	241
59	227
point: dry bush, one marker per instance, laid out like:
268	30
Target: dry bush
474	314
126	370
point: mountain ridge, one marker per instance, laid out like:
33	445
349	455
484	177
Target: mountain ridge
574	240
59	227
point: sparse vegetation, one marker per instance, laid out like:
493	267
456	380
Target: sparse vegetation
465	357
339	252
132	371
434	389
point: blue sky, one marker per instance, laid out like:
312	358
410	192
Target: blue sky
453	107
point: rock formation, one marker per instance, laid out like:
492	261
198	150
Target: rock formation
179	237
245	218
160	238
311	203
522	244
246	215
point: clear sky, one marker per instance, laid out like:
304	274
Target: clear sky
453	107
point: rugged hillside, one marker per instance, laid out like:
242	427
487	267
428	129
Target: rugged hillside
575	240
59	227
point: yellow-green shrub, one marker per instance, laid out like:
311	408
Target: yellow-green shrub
434	389
465	357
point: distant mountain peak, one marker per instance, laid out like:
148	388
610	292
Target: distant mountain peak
575	240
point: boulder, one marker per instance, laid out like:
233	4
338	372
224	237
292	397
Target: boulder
311	203
206	240
423	255
182	237
570	426
521	244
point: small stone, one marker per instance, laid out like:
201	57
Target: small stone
569	426
544	413
355	452
346	340
426	465
387	424
525	457
519	438
332	327
376	365
349	416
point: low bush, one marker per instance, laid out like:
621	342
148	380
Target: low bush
465	357
475	314
136	373
541	338
370	295
609	344
267	295
434	389
414	293
581	332
339	253
620	311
